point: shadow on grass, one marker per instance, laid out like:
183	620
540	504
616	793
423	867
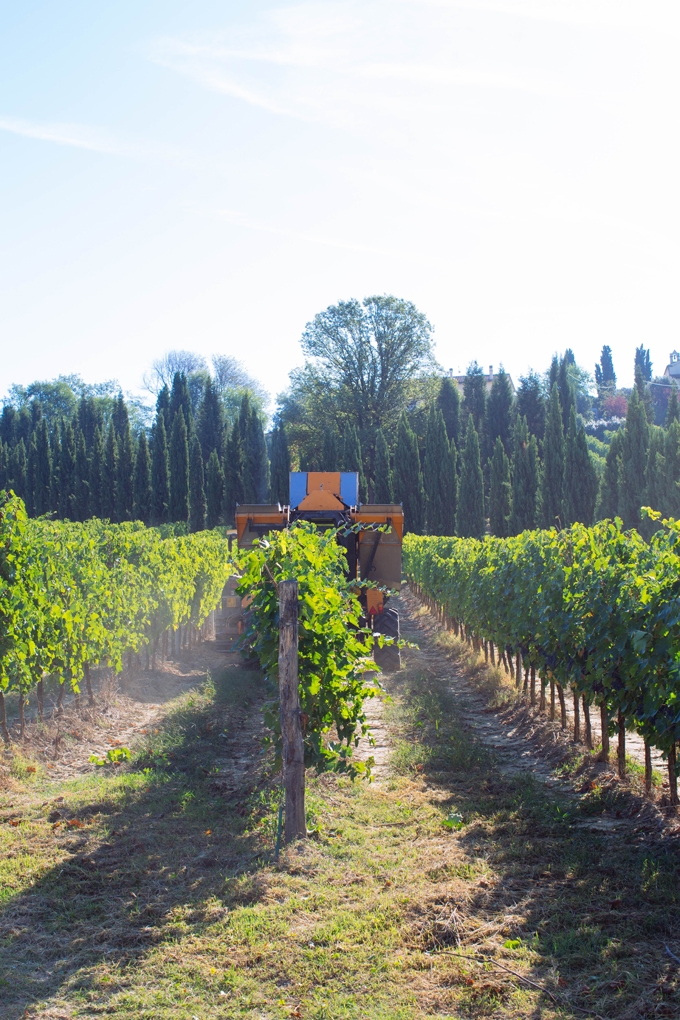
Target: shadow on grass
143	856
590	909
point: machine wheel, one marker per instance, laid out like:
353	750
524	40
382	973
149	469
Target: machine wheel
387	623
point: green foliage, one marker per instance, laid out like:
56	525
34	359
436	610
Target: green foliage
470	511
383	490
634	447
524	478
474	388
500	492
73	594
178	509
214	490
336	673
352	460
197	501
280	466
448	402
408	478
160	471
439	476
596	609
531	404
498	415
580	477
142	482
552	477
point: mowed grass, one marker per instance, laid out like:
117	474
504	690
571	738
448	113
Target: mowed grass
156	893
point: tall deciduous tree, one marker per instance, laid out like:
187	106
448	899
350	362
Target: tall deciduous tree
370	350
500	491
179	469
470	512
197	501
439	477
474	402
383	474
633	462
214	490
552	475
280	466
580	477
408	478
524	478
143	499
448	402
160	472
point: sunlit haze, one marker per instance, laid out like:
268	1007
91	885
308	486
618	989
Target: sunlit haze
210	175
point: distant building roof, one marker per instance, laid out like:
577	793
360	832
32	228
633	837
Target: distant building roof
673	369
460	379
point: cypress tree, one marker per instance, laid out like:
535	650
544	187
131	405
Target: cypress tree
531	404
18	469
552	476
448	402
197	501
89	418
179	469
142	482
470	512
160	472
580	477
280	466
633	462
500	492
163	408
214	490
329	451
353	460
55	460
383	473
67	473
109	478
608	500
474	401
125	464
42	470
8	426
97	462
655	472
4	466
181	398
498	415
233	475
566	387
673	410
408	478
605	376
438	477
255	466
82	502
211	421
524	478
671	500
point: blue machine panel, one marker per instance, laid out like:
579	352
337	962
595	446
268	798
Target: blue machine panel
298	487
349	487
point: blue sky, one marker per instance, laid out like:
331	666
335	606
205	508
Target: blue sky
210	175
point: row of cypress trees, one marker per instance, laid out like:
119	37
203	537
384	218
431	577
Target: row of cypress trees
190	469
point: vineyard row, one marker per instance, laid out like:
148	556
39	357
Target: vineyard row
74	595
593	613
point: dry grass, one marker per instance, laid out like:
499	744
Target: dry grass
152	891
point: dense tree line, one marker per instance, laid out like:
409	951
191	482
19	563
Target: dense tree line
190	467
371	399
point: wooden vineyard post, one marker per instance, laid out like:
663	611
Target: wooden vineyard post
289	708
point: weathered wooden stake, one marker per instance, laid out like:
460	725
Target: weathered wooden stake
88	684
672	775
621	750
648	767
289	702
3	719
604	725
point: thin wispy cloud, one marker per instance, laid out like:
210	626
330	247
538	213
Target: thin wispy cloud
79	136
